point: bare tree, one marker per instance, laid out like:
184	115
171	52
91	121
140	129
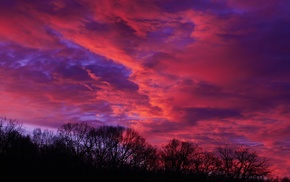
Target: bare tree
179	156
116	147
243	163
42	138
135	150
226	155
10	130
210	164
75	136
106	149
248	165
17	153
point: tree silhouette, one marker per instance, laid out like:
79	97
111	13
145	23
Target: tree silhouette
42	138
18	154
75	136
209	164
178	156
242	163
78	151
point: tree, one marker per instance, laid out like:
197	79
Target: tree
248	165
42	138
104	146
17	152
75	136
117	147
81	152
243	164
226	155
178	156
209	164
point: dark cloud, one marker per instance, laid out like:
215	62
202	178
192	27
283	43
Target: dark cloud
92	25
198	114
173	6
116	75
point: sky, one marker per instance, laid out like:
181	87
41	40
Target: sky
212	72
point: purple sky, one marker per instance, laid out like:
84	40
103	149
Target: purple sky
207	71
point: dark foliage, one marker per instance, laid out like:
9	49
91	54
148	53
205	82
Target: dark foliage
81	152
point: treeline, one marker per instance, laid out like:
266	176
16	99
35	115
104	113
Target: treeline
78	151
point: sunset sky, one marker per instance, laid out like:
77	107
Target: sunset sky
207	71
